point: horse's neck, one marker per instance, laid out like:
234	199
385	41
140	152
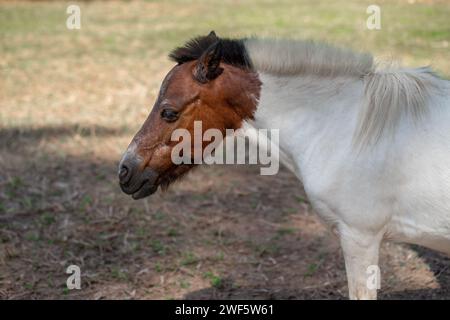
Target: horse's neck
311	114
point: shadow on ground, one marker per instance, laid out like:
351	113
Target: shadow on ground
223	232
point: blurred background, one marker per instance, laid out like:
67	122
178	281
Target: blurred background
70	102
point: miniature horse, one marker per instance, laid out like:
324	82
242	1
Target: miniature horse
372	147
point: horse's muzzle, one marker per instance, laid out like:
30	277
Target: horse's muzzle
139	183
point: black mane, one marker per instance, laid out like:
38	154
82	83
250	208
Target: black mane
234	52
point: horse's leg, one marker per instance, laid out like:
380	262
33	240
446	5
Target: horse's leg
361	262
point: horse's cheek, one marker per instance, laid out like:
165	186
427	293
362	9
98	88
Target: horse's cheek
161	158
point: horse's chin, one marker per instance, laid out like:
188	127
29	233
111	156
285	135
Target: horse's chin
173	175
146	190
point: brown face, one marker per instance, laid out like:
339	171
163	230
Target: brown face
219	95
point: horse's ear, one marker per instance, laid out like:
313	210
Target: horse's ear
208	65
213	35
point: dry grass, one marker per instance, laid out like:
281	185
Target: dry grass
70	102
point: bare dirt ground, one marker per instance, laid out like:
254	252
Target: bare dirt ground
70	103
223	232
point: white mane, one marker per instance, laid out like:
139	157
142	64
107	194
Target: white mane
291	57
389	94
393	95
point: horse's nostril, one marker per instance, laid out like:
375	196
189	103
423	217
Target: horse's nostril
124	174
128	169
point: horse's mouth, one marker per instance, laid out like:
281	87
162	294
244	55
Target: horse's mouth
145	190
147	183
142	185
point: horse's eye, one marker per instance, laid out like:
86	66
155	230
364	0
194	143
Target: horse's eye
169	115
